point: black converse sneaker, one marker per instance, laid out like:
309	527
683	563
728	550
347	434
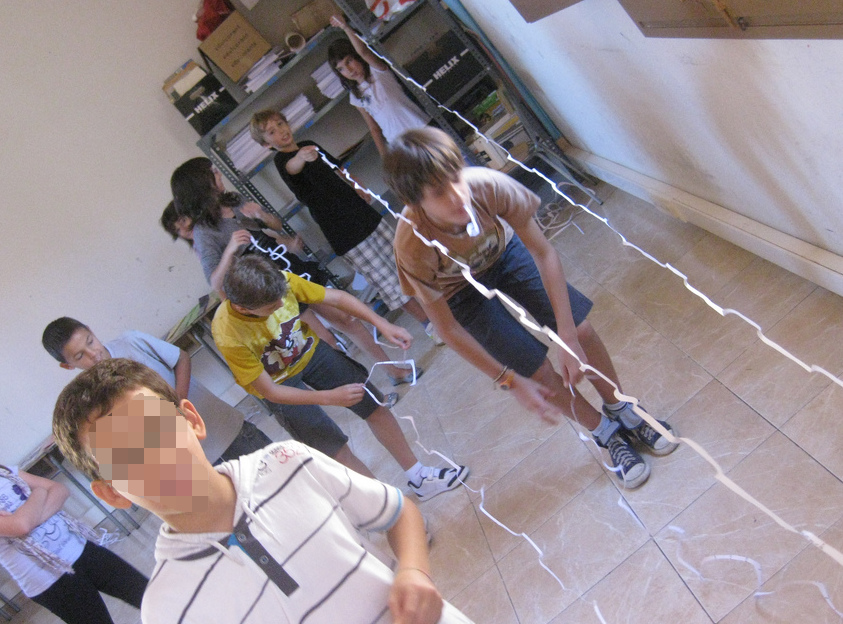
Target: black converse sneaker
632	470
639	430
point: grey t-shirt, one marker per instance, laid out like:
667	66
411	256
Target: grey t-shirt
222	421
209	243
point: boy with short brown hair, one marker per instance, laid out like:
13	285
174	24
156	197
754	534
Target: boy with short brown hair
269	537
462	208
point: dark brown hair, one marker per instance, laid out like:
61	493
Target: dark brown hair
253	281
195	193
418	159
58	333
169	218
337	51
94	392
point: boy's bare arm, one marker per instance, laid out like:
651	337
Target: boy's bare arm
553	278
306	154
529	393
343	396
46	498
414	598
347	303
182	374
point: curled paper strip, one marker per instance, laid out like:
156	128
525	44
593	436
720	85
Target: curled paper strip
521	315
597	613
412	364
523	318
275	254
482	506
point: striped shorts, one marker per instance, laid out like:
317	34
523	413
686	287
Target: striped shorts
374	259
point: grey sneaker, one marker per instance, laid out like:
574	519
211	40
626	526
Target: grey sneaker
391	399
438	481
407	377
639	430
632	469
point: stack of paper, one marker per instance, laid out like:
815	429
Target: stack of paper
264	69
298	112
245	152
327	81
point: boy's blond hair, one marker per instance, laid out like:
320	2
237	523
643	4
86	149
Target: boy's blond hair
257	125
95	391
425	157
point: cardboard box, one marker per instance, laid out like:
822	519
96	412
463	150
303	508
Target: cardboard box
235	46
206	104
314	17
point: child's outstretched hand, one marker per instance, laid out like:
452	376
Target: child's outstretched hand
339	22
309	153
397	335
414	599
345	396
534	396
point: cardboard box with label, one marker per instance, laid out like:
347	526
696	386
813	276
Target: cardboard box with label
235	46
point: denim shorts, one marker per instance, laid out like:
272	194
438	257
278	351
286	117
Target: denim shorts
490	322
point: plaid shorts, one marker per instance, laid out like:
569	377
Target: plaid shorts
374	259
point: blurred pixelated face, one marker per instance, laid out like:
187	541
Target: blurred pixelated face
83	350
277	134
149	453
446	203
351	68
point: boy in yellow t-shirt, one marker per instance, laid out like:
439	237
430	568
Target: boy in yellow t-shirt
274	355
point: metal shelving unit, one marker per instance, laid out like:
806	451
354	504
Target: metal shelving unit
542	145
377	34
214	147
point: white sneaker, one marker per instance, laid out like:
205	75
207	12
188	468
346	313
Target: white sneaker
430	330
438	480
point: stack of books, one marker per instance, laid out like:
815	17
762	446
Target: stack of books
298	112
327	81
264	69
245	152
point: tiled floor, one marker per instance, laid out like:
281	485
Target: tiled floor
683	548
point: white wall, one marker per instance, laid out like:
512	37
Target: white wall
752	126
88	144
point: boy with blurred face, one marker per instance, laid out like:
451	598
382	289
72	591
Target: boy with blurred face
269	536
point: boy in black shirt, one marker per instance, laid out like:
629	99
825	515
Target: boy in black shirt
354	230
